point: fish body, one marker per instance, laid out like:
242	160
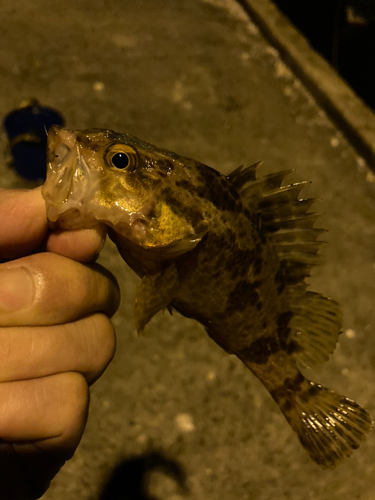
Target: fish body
231	252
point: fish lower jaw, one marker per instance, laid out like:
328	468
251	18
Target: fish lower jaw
53	213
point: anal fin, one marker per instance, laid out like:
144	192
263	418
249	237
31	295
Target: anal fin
154	293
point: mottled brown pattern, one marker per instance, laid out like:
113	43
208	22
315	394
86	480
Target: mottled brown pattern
245	292
260	350
288	387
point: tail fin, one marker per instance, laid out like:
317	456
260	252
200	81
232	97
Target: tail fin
328	425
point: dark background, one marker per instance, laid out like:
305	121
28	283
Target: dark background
343	31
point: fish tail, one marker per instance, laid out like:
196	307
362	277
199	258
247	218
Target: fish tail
329	426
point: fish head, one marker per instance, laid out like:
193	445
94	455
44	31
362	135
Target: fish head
101	176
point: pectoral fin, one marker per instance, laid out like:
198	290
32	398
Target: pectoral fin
154	293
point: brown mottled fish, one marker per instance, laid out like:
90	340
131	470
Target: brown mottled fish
230	251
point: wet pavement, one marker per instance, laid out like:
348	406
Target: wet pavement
174	416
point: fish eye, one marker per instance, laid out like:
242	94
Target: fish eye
120	160
121	157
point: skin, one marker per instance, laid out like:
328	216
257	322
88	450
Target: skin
49	354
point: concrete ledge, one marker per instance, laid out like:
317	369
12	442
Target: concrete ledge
339	100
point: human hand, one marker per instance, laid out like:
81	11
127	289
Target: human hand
55	340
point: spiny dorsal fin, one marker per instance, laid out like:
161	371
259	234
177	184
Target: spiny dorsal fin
234	174
240	177
283	214
305	221
283	194
263	186
295	235
292	208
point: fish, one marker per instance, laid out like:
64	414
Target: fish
230	251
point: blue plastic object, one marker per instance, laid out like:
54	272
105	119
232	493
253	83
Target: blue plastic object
26	128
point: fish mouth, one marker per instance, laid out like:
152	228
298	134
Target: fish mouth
69	219
73	187
69	179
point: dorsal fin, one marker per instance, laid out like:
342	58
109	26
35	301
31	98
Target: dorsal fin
305	221
264	186
234	174
283	214
293	208
239	177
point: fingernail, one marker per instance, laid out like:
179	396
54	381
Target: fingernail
17	289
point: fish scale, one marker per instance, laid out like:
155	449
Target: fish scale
231	252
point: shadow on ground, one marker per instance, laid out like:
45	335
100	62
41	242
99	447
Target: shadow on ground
130	477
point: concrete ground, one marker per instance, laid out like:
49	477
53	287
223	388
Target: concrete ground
198	78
